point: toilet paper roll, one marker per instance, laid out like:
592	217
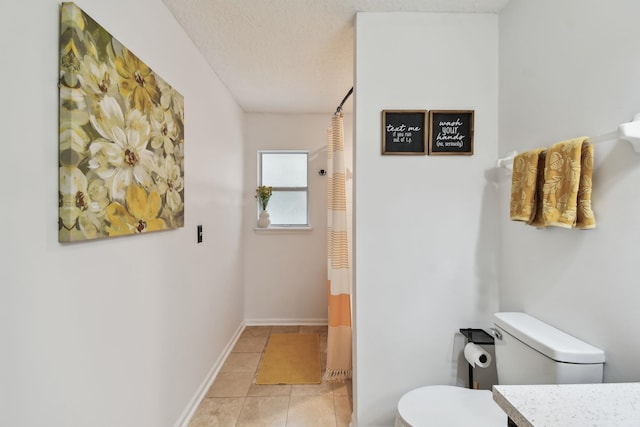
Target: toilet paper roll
476	355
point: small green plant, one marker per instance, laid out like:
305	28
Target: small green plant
263	194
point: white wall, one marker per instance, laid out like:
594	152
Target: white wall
286	274
568	69
117	332
425	239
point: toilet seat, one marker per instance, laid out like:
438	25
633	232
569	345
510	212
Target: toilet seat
449	406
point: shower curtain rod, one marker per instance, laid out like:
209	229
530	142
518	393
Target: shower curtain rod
339	109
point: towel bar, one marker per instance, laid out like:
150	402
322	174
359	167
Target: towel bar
506	162
629	132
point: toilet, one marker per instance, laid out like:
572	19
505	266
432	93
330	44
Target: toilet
528	351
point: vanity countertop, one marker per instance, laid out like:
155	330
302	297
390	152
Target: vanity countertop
571	405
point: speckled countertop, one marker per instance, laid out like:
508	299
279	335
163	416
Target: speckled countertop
571	405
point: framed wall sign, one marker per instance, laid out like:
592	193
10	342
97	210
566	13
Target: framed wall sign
404	132
451	132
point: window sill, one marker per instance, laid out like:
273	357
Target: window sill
282	229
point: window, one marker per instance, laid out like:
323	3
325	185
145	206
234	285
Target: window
286	173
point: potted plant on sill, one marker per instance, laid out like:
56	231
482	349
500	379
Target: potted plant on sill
263	194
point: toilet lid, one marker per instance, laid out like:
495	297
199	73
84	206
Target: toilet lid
450	406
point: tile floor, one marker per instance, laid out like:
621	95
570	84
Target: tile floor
235	400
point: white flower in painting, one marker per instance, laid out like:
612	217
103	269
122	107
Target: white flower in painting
71	17
170	99
170	183
77	212
72	26
178	152
73	115
120	155
73	100
164	130
98	195
98	78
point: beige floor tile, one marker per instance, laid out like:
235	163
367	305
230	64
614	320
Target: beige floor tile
231	384
322	389
255	331
311	411
323	342
218	412
269	390
241	362
264	412
314	329
286	329
343	405
343	388
250	345
323	363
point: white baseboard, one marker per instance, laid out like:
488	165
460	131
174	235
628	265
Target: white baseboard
190	410
286	322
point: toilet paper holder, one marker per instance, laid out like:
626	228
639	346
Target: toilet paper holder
476	336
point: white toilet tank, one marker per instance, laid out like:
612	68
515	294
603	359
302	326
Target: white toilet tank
532	352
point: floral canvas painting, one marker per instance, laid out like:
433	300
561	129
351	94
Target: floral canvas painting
121	158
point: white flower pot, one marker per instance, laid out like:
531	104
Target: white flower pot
264	221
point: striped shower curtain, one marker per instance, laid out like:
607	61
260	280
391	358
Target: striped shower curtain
338	257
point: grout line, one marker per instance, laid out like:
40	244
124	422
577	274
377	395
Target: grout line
286	419
244	402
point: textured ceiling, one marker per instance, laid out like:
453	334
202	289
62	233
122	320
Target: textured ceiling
284	56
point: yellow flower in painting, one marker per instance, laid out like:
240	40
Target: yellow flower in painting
137	82
121	154
140	214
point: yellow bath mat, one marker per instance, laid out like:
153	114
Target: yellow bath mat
291	359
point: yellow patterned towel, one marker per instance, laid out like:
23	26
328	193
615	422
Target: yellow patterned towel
538	220
562	176
585	218
523	185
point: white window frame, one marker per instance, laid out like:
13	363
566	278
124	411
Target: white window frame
281	189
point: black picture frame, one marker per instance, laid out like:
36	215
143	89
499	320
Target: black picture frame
451	132
404	132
